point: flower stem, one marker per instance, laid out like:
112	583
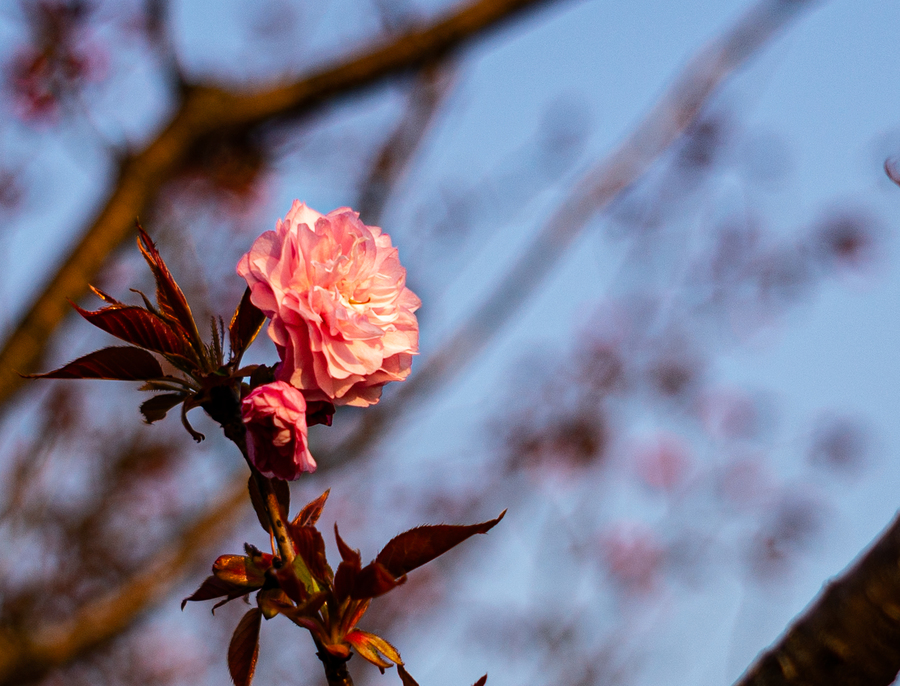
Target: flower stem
335	667
223	405
276	518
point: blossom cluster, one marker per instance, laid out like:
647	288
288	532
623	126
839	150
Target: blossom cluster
341	318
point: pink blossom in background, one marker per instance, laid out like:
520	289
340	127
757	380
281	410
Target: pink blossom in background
633	557
341	314
275	417
663	461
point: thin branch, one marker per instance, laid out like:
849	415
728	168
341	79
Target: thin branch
426	95
849	635
205	111
25	659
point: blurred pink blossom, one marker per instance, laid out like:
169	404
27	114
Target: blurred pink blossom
342	316
663	462
633	556
275	417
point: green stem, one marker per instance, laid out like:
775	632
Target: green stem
276	520
223	406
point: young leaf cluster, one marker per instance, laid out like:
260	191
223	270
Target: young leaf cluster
329	604
165	330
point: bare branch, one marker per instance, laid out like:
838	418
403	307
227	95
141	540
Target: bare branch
426	95
850	634
205	111
27	658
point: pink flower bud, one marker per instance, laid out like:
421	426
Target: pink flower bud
341	314
275	417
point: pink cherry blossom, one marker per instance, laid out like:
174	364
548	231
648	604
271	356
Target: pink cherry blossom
275	417
341	314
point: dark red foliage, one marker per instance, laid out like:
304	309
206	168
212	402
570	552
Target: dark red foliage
405	677
374	580
142	328
213	587
118	363
310	545
418	546
311	512
246	323
158	406
244	648
169	296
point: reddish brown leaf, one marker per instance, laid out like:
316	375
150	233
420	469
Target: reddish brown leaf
348	569
239	570
311	512
246	323
244	648
417	546
347	553
290	584
405	677
157	407
138	326
273	601
310	546
344	579
104	296
259	504
169	296
372	647
118	362
213	587
482	681
372	581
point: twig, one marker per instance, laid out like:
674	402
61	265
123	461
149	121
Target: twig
426	95
27	658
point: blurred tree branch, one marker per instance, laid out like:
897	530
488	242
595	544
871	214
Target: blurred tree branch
205	111
426	96
850	634
26	658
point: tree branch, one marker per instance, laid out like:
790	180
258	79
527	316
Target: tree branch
426	95
24	659
849	635
205	111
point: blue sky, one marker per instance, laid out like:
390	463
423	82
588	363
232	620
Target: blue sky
825	94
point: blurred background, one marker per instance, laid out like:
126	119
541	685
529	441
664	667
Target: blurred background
655	248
